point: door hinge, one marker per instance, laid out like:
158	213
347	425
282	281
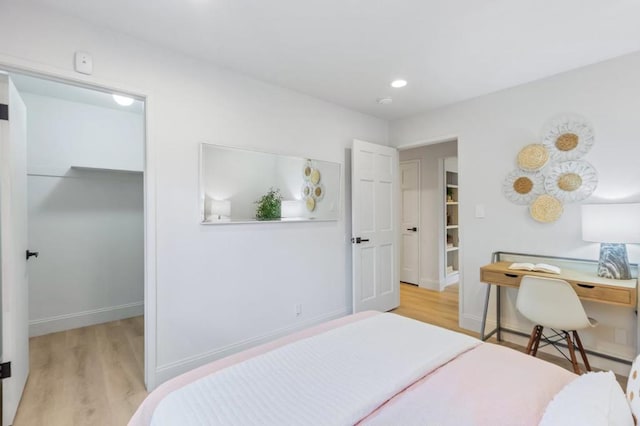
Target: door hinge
5	370
4	112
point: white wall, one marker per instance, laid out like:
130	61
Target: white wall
98	137
87	226
493	128
219	289
431	216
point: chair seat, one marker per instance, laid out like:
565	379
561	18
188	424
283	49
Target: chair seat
553	303
562	326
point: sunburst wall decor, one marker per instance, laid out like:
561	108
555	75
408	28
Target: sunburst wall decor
553	172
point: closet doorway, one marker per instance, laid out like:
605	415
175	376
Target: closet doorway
429	232
85	163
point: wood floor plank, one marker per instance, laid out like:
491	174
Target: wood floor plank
134	330
47	356
125	390
84	385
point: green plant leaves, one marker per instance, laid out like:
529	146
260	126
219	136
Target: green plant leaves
269	205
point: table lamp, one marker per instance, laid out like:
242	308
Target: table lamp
220	210
613	226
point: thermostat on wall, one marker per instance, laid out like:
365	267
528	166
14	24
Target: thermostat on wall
84	63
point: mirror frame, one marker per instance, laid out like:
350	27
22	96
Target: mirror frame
202	190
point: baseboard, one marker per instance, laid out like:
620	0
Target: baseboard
430	284
471	322
171	370
42	326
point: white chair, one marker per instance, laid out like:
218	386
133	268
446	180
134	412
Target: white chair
553	303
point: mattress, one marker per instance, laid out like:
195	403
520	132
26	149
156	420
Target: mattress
478	383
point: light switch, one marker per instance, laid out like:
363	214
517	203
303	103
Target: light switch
480	211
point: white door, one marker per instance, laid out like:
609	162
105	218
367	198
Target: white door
374	201
409	221
13	246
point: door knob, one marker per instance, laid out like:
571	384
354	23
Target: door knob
358	240
414	229
32	253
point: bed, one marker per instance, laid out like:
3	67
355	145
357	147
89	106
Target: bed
377	368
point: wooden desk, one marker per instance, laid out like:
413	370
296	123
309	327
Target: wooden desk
588	287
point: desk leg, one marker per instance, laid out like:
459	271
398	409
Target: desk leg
483	336
498	306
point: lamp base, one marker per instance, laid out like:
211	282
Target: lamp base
614	262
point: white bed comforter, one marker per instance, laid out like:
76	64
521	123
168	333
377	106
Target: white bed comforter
337	377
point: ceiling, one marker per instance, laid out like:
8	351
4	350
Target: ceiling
348	51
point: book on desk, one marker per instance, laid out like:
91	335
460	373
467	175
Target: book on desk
535	267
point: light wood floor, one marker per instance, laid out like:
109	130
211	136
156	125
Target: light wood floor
87	376
441	309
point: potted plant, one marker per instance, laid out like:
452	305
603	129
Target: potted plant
269	205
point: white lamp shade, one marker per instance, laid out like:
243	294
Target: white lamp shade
221	208
611	223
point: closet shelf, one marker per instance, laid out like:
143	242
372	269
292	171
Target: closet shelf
100	169
449	258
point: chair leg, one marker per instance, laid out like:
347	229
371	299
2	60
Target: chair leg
539	329
576	338
534	333
572	352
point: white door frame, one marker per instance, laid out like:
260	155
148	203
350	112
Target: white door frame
419	163
426	142
18	65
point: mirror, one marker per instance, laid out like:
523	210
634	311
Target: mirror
243	186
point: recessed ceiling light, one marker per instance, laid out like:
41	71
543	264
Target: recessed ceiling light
122	100
398	83
384	101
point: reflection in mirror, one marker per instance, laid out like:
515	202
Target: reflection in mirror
239	186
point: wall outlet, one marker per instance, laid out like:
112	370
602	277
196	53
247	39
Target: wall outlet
298	309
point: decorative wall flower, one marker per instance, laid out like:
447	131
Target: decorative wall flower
523	187
546	208
533	157
306	190
571	181
306	170
314	178
568	138
310	202
312	190
318	192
